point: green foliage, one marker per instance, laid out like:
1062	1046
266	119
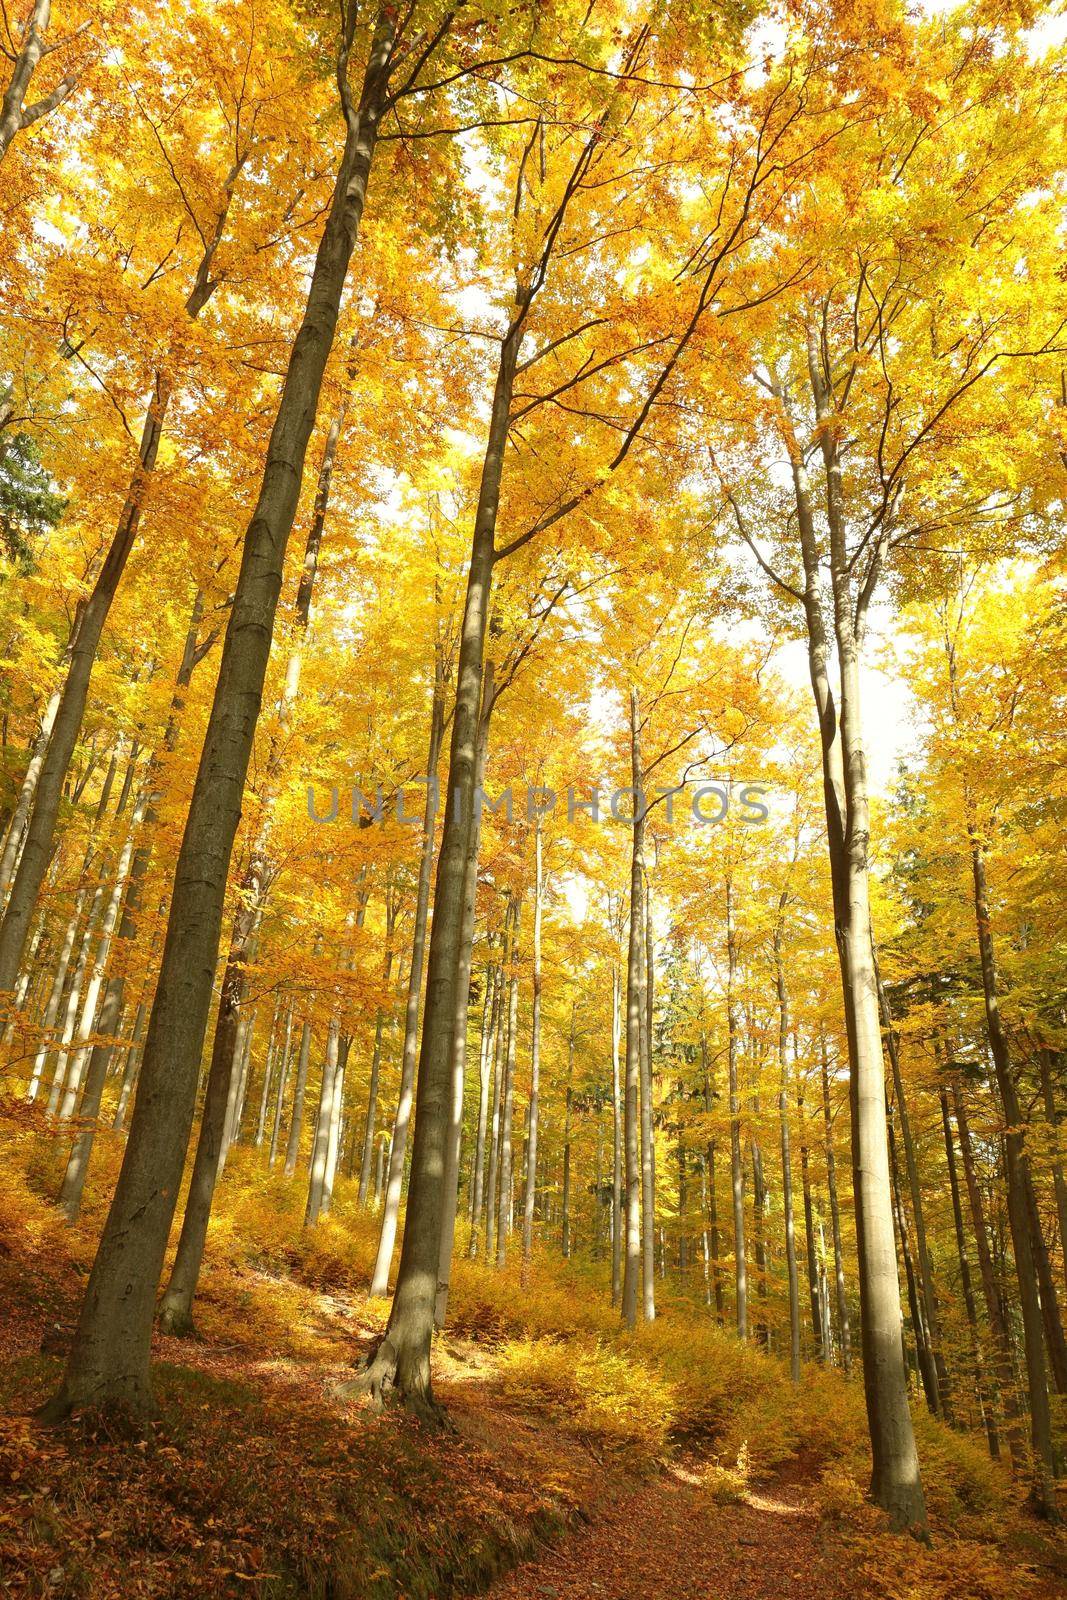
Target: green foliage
29	504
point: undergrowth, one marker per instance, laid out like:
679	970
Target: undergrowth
254	1482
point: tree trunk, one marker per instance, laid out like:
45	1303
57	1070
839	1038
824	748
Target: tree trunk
1043	1493
1046	1058
55	998
324	1124
648	1138
718	1292
759	1206
925	1266
268	1075
398	1145
17	826
109	1358
296	1118
635	1014
73	1003
129	1069
821	1354
485	1067
994	1304
367	1155
283	1079
217	1121
333	1140
565	1234
895	1478
403	1358
923	1353
507	1108
535	1056
985	1398
70	1194
737	1174
616	1139
787	1170
835	1221
450	1200
15	114
88	1023
1050	1306
89	624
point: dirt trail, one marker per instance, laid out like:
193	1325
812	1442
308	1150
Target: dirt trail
667	1539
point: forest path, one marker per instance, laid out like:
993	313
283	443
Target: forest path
666	1538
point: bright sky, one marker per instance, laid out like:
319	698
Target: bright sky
888	707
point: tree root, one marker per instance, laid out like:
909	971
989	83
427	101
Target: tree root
179	1324
381	1380
114	1420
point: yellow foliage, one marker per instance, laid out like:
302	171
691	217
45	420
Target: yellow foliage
600	1391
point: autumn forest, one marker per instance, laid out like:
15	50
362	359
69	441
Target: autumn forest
533	959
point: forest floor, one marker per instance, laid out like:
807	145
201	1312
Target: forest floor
578	1464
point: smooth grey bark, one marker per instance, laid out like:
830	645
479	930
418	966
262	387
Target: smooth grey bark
268	1075
1050	1306
296	1117
787	1170
283	1079
1042	1492
88	1022
73	1002
235	1119
920	1332
193	652
895	1478
635	1013
217	1124
507	1099
986	1399
30	980
403	1358
844	1327
228	1070
487	1055
15	114
55	997
759	1235
324	1124
450	1200
130	1065
398	1144
565	1231
497	1089
530	1197
996	1313
371	1119
714	1243
333	1141
648	1139
367	1158
73	1185
616	1139
737	1171
1048	1059
683	1198
16	830
110	1355
931	1310
821	1352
